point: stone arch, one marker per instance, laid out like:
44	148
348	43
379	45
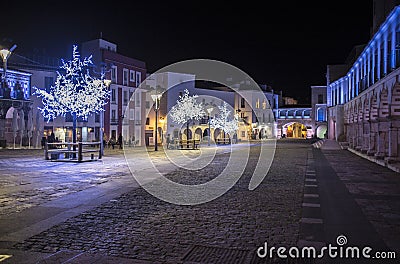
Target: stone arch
321	130
354	115
321	114
291	113
198	133
395	100
367	109
282	113
374	107
360	112
217	133
383	109
206	132
187	134
295	130
347	113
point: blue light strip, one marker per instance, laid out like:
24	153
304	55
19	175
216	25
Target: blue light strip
365	59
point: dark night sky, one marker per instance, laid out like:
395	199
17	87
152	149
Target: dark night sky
284	44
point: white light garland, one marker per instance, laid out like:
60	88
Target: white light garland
186	109
76	92
224	122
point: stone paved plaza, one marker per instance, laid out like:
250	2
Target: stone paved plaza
96	213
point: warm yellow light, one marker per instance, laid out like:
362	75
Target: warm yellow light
5	54
107	82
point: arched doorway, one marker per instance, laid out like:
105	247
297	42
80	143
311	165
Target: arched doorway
206	133
321	130
217	133
187	134
197	133
295	130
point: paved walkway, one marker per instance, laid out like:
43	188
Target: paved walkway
136	227
374	188
107	219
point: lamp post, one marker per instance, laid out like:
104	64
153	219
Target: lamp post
209	110
156	99
107	83
5	54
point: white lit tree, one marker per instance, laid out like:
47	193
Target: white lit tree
187	108
74	92
224	121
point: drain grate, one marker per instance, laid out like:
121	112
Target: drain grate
208	254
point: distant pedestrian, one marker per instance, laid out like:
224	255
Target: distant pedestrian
112	142
44	139
168	141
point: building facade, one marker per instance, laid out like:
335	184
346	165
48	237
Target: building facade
123	114
15	108
364	104
256	114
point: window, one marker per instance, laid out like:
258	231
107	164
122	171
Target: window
125	97
138	78
321	114
320	99
131	114
113	114
97	117
113	96
242	103
137	99
125	77
147	121
132	76
114	74
243	134
147	104
48	82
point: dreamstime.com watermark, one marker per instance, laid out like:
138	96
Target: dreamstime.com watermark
330	251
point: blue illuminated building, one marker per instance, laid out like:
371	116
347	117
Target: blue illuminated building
364	100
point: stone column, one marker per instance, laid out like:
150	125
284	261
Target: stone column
393	141
380	154
360	135
371	146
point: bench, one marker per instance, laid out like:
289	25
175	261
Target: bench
189	144
72	151
224	141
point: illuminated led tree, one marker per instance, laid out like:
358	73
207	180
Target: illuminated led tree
187	109
224	121
74	92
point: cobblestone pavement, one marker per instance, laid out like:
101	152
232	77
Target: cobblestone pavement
376	190
135	227
27	180
138	226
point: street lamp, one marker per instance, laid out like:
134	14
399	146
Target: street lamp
209	110
106	83
5	54
156	98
